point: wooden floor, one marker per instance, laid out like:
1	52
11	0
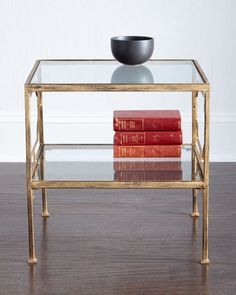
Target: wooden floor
118	241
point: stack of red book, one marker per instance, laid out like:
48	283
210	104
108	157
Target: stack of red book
147	133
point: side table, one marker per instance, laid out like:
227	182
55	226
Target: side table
106	76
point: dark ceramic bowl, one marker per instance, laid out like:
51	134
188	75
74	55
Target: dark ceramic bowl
132	50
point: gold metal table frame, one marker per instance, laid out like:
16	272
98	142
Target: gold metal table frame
200	154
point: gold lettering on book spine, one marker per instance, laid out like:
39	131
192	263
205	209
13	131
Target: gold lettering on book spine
117	123
138	138
132	125
135	139
127	124
123	151
124	138
156	138
156	124
142	151
132	152
123	125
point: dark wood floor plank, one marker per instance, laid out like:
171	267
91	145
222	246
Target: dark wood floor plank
117	241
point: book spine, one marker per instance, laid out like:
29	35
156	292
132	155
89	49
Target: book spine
148	138
144	165
148	175
147	124
155	151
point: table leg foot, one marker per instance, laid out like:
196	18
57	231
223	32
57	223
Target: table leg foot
31	257
194	214
205	261
45	214
32	260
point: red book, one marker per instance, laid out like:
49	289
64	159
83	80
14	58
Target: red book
148	137
141	120
146	175
147	165
142	151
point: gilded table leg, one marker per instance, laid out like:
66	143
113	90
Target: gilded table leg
195	212
32	257
205	259
45	212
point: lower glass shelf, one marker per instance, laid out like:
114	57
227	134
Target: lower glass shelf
95	163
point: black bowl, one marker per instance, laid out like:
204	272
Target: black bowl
132	50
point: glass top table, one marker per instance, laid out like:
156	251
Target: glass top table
104	75
59	166
109	75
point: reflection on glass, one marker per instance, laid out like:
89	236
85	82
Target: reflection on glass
96	163
147	171
132	75
148	175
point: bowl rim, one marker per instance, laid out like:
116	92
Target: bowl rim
132	38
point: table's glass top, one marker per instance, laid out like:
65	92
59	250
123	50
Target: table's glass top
96	163
112	72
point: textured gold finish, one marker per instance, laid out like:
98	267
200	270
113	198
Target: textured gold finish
45	212
34	149
32	256
37	157
199	160
205	259
30	198
201	72
32	261
40	118
199	147
205	262
117	184
195	212
116	87
200	156
206	135
32	72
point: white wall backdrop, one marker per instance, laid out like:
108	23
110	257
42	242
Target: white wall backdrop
34	29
